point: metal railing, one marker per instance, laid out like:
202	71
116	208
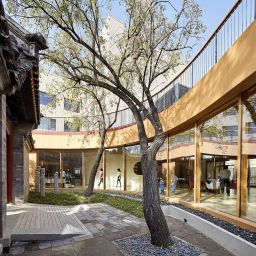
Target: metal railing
234	24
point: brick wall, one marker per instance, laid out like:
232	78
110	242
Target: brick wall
20	162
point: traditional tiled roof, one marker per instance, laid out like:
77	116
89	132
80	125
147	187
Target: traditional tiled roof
19	61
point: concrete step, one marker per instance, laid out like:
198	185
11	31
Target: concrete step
45	222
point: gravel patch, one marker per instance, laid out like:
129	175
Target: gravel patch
140	246
238	231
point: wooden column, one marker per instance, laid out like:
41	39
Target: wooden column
104	168
124	168
61	169
83	169
244	189
197	165
168	185
239	157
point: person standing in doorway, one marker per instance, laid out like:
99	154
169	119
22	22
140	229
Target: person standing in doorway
118	181
101	175
225	180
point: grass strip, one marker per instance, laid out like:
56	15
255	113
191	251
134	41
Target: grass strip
75	198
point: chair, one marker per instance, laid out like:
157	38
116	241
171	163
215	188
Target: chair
213	185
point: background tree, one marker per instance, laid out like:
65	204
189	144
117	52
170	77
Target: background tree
155	40
93	114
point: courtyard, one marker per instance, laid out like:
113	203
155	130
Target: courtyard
128	127
89	229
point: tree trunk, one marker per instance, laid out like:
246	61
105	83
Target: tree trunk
95	166
160	235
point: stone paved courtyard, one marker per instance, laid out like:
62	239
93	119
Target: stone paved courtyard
105	225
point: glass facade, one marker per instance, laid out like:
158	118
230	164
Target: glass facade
72	167
162	174
71	175
89	157
50	160
181	165
248	177
134	177
219	141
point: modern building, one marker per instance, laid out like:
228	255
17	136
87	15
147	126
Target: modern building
19	109
208	112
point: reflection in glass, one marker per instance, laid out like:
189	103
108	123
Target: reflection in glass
133	180
181	165
219	161
161	158
72	167
248	182
114	161
50	160
89	157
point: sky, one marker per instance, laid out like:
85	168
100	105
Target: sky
213	12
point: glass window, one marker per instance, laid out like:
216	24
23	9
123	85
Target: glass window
230	131
72	167
248	182
45	99
50	160
134	175
114	161
231	111
89	157
250	129
219	161
161	158
181	165
48	124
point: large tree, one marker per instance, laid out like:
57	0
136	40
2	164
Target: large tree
155	40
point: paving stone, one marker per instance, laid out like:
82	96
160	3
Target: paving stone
83	237
114	230
57	243
100	247
65	250
99	226
17	250
107	225
45	252
44	245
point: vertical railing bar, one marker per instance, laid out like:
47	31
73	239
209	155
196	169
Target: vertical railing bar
246	13
255	9
242	9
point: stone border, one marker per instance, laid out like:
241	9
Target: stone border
229	241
